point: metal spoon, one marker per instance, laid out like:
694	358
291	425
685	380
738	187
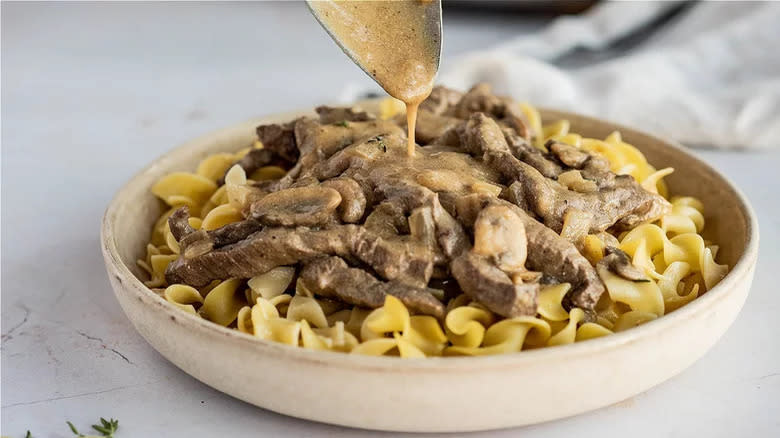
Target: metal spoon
431	30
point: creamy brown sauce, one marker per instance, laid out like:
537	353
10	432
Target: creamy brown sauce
439	168
388	39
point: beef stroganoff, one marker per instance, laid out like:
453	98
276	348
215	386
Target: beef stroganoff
501	233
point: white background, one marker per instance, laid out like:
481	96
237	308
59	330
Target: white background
93	92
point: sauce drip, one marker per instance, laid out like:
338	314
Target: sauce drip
391	42
411	124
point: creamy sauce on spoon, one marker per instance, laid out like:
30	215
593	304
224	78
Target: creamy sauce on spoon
391	42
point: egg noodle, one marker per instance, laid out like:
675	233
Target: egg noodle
679	262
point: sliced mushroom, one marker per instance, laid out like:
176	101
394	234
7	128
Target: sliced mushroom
500	235
441	180
353	200
620	263
297	206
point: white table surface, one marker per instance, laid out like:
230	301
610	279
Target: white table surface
93	92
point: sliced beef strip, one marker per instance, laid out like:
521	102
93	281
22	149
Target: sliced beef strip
408	262
359	159
279	139
431	126
179	224
422	228
559	259
515	119
449	137
195	242
313	142
591	166
480	99
330	114
450	235
487	272
481	135
261	252
647	210
391	219
325	140
319	143
235	232
253	160
441	100
548	252
490	286
624	206
332	277
324	145
624	203
271	247
518	146
387	219
525	152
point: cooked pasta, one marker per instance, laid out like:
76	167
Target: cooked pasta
678	263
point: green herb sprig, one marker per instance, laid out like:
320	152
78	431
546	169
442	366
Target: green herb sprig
106	428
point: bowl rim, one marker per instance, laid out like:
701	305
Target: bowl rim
117	268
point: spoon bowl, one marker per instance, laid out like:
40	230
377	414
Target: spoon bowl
355	37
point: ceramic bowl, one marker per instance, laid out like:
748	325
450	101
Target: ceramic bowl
436	394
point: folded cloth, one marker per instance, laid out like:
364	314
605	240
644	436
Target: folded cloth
709	78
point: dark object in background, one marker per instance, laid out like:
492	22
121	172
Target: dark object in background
550	7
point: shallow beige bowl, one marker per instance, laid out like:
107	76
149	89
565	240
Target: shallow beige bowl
438	394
